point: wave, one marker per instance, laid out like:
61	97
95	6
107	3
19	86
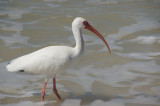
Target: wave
144	40
141	25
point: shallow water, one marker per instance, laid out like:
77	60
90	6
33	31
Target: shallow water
128	77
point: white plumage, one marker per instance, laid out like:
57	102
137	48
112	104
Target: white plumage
46	60
50	60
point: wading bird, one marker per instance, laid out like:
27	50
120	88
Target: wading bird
50	60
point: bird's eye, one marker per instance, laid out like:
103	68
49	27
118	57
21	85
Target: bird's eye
84	22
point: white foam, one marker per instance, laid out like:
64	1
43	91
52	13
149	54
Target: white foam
141	25
55	0
144	39
139	99
112	76
102	1
29	103
53	5
112	1
108	103
146	67
71	102
13	26
16	14
15	38
136	55
36	21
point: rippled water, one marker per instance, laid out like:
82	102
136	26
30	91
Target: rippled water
128	77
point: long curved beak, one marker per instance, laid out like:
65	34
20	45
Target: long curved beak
89	27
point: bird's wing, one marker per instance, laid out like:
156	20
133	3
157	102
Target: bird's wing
28	60
39	61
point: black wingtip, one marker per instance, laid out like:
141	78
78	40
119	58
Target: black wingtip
21	71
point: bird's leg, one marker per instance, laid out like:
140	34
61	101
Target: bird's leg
54	89
43	91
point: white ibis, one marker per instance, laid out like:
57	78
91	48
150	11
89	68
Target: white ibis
50	60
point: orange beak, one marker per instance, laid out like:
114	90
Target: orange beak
89	27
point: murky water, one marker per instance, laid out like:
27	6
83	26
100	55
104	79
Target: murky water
128	77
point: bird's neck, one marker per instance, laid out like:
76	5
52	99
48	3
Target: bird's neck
79	48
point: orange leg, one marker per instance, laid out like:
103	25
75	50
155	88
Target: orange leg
55	90
43	91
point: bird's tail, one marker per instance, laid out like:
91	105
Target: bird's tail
13	67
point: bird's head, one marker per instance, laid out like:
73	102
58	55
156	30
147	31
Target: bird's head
80	22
